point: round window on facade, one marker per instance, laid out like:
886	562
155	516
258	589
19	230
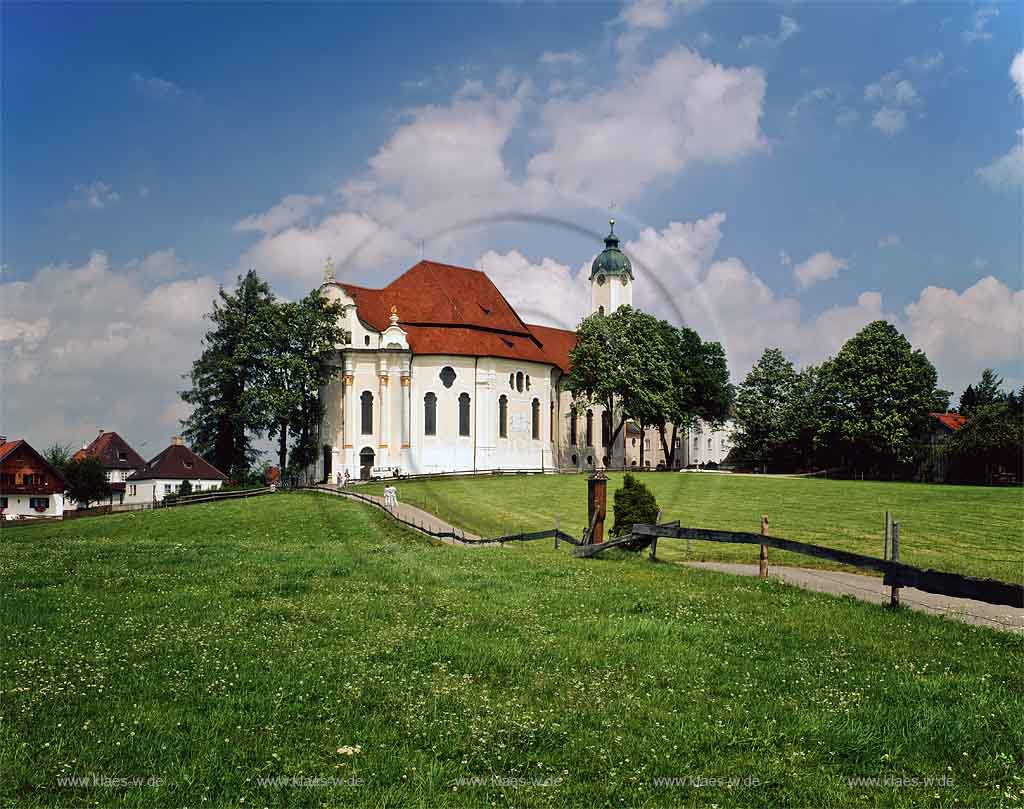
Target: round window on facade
447	376
600	280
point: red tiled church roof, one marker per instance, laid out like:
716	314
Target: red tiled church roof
954	421
178	462
446	309
109	447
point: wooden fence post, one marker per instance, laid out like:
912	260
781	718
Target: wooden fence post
894	595
888	529
762	567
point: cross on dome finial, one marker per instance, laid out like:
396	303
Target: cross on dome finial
328	271
611	224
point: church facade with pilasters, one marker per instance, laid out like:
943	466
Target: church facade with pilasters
438	373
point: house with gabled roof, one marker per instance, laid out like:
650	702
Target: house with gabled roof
30	486
167	471
118	458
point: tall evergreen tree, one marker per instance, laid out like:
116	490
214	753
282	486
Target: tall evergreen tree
764	423
988	391
225	379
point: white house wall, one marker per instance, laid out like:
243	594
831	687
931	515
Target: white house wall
18	506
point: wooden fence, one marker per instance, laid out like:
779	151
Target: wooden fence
896	573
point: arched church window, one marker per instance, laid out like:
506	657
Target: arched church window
511	381
366	412
600	310
447	376
572	430
430	414
503	416
519	381
366	339
464	414
590	429
535	418
575	459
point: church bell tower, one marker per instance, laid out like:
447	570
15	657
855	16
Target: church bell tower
611	277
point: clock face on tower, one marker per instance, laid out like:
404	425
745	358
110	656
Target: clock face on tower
600	280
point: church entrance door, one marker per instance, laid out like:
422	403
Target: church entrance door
366	457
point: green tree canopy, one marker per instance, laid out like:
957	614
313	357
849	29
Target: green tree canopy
988	391
86	480
227	403
991	441
764	409
58	455
877	393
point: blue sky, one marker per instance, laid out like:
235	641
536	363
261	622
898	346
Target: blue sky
783	173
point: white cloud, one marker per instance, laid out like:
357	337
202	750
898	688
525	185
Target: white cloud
97	196
978	32
889	121
1006	171
892	89
650	125
1017	72
561	58
926	62
810	98
890	240
157	88
822	266
290	210
963	332
640	17
95	344
548	293
788	27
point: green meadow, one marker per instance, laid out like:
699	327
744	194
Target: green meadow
973	530
212	649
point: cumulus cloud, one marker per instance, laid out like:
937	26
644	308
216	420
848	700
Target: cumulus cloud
549	293
788	27
889	121
651	124
1006	171
639	18
978	32
95	196
894	90
290	210
95	344
1017	72
822	266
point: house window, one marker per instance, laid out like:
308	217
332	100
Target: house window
122	456
430	414
188	464
464	414
132	490
535	419
572	430
590	429
447	376
647	443
366	340
503	416
168	488
39	503
696	443
3	502
634	442
710	443
366	403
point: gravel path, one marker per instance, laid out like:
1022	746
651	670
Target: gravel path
871	589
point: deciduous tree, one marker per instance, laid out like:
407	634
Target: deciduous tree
86	480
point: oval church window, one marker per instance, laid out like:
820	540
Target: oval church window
447	376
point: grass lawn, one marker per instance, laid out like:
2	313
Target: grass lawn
304	636
974	530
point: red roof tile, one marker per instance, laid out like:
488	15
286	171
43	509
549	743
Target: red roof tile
178	462
446	309
109	447
954	421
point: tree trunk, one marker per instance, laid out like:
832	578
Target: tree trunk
665	447
224	446
282	445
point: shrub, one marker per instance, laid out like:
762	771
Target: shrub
634	503
185	489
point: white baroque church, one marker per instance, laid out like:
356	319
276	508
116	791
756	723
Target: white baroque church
439	374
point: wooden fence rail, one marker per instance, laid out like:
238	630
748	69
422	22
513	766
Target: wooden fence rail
897	574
